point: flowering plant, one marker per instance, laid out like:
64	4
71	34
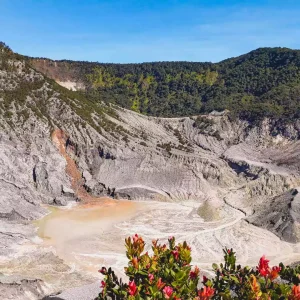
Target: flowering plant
168	274
263	282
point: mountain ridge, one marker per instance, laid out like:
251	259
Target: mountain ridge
262	83
163	61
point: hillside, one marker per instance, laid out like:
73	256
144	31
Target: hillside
262	83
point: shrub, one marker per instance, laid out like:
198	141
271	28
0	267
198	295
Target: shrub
202	122
168	274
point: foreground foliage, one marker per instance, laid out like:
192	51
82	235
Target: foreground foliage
168	274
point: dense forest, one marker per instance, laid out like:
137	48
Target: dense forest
264	82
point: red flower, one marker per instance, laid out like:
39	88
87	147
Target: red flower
204	279
274	273
103	271
132	289
263	266
206	293
194	274
151	277
228	251
160	284
103	284
168	292
175	254
135	238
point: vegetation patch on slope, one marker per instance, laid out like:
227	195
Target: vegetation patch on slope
262	83
25	92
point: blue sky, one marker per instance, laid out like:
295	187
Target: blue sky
138	31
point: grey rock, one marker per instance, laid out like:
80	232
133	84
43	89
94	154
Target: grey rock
68	192
61	201
87	175
96	188
40	176
23	289
86	292
281	215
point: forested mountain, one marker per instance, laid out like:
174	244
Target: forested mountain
264	82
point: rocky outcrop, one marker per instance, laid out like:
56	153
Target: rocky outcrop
23	289
35	275
281	215
67	192
93	186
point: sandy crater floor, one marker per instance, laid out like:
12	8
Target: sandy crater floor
91	235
